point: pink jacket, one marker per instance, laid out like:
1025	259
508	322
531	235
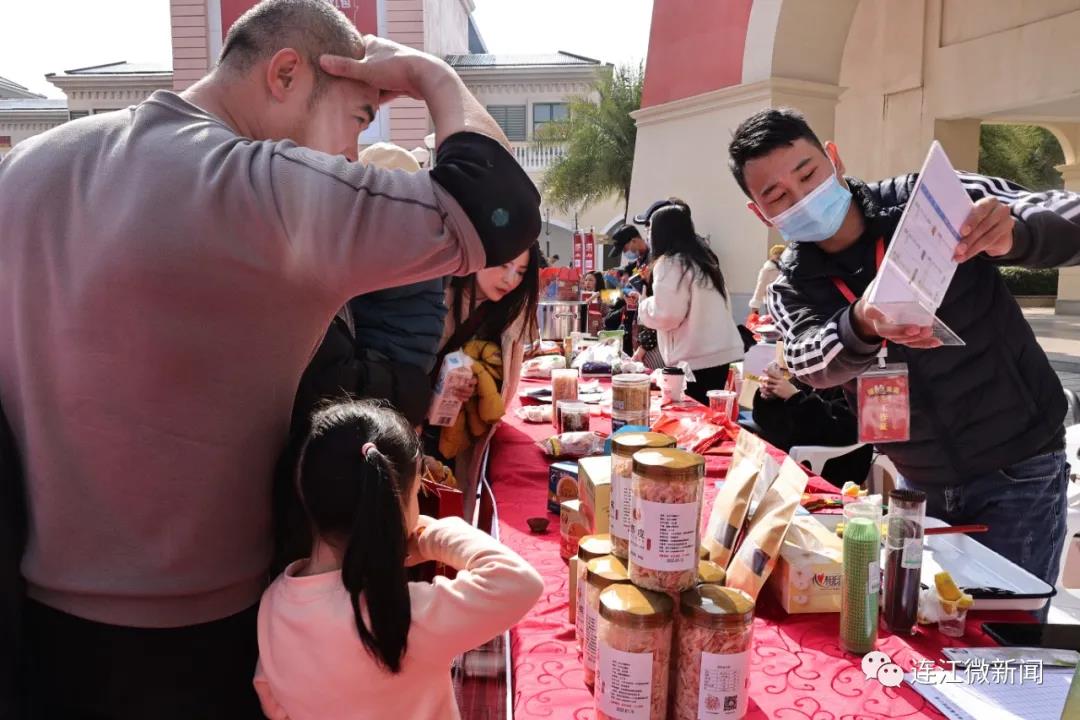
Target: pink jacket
312	665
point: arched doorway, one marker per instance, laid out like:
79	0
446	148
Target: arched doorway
882	78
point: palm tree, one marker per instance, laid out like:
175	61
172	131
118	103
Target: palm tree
599	138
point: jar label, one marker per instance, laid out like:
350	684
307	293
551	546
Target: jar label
724	685
622	498
615	514
581	590
913	551
665	535
591	621
624	684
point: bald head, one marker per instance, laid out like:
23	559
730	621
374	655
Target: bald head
310	27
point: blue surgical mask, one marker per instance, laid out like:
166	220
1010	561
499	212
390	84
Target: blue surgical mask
817	216
630	256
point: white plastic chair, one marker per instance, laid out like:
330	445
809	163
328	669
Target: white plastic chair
882	476
815	456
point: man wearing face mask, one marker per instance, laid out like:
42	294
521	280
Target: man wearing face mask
627	244
986	441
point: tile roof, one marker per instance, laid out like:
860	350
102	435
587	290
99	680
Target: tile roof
491	60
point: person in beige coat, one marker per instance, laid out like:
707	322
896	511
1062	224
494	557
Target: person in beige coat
498	305
766	277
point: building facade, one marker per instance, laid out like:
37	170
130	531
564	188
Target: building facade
522	92
881	78
24	114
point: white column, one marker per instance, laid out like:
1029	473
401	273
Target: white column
1068	299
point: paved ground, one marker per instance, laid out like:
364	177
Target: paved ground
1059	336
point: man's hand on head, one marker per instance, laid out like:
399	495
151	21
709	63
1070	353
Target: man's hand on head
394	70
988	229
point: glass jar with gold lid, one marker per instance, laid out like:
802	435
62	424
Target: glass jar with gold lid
590	547
623	447
665	535
634	653
600	573
713	634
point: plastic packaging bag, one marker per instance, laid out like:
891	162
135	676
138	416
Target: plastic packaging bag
534	413
541	367
606	351
573	445
759	550
695	433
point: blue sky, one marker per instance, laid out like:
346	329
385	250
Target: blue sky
42	36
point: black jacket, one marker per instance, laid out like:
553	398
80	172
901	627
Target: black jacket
13	520
821	417
974	409
336	372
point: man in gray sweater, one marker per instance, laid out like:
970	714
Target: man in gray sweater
166	272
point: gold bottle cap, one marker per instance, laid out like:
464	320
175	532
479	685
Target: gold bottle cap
717	606
594	546
626	444
668	464
630	606
606	570
710	573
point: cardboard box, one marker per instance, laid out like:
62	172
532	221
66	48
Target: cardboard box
562	484
594	491
572	528
807	577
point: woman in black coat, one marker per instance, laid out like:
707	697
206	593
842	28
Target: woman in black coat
791	414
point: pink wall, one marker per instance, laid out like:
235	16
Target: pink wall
363	13
695	46
191	56
408	118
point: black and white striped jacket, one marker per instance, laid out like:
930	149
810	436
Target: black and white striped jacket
977	408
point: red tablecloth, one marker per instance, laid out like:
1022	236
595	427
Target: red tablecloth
797	668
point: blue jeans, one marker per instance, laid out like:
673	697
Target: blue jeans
1024	506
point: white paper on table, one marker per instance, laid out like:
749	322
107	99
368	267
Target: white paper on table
919	265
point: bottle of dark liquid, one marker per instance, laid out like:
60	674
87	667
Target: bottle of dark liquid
903	559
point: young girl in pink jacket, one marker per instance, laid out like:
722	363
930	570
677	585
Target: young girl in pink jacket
343	634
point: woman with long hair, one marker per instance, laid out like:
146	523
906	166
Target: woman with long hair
496	305
591	285
689	307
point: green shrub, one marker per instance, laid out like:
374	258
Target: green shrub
1024	281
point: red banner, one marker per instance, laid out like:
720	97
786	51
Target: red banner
363	13
590	252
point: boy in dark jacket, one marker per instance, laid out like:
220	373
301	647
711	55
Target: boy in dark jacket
404	324
987	443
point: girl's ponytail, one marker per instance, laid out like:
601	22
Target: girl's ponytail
374	563
357	471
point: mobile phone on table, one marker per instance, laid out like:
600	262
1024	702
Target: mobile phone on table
1056	636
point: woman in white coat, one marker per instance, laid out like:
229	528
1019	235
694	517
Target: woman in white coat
766	277
689	307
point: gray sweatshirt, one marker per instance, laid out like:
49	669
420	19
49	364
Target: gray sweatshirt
163	283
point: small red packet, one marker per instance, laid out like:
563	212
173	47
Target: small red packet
884	405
